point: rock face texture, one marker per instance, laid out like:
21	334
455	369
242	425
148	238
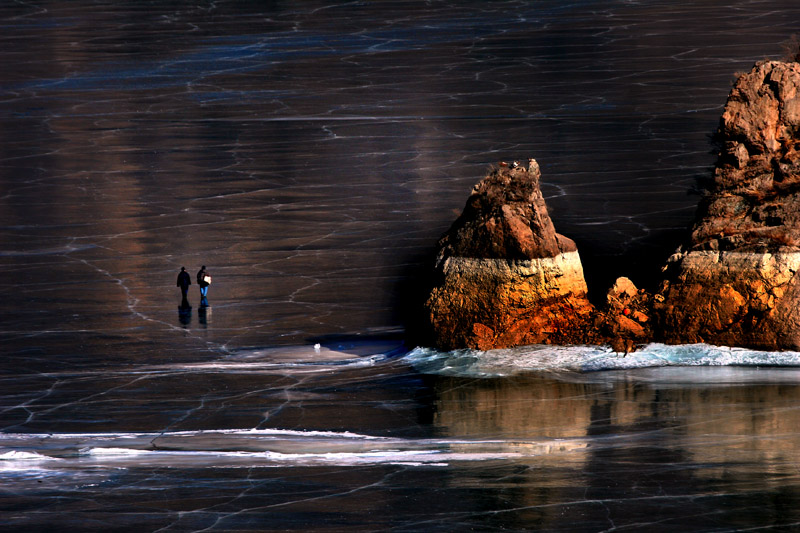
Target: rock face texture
624	321
504	276
736	282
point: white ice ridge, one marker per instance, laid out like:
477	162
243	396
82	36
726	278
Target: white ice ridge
546	358
24	461
318	448
368	457
127	452
15	455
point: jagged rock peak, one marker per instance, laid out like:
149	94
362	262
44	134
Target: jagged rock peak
504	277
754	203
736	283
506	218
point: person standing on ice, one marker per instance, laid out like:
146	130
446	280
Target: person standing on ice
184	280
203	280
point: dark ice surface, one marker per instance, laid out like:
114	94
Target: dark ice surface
310	154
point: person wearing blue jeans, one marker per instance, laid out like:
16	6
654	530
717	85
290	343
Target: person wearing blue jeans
203	280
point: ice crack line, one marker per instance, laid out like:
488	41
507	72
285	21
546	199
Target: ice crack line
132	302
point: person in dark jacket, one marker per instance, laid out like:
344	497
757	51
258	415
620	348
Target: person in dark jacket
184	280
203	280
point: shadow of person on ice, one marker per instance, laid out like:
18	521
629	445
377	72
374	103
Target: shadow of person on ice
185	312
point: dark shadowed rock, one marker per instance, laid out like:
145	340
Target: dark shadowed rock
504	276
735	282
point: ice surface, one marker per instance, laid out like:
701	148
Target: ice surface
311	154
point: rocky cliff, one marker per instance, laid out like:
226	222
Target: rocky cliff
735	282
504	277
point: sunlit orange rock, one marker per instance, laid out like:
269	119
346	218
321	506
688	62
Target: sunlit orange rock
735	282
504	277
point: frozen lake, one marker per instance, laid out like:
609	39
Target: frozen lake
310	154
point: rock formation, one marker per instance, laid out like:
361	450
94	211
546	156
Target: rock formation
624	321
504	276
735	282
